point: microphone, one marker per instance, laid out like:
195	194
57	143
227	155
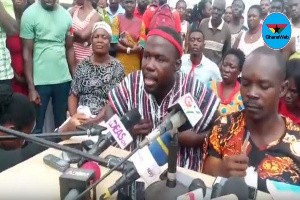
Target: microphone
130	119
184	109
73	181
217	186
235	186
184	114
159	150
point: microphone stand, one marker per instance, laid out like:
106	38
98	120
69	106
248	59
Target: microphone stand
92	132
168	189
49	144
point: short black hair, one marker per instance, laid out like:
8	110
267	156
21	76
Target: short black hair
180	1
279	1
240	1
198	8
239	54
173	33
197	31
257	7
263	50
15	108
293	71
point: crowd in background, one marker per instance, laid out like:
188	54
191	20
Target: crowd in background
91	55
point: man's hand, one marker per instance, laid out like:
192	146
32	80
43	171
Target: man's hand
235	165
34	97
75	120
144	127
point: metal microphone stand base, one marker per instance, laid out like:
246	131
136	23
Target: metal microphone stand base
160	191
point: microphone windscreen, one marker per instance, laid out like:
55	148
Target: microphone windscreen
131	118
159	148
236	186
91	165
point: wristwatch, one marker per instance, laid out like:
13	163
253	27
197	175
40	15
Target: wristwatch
128	50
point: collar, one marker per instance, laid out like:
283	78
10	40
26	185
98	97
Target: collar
219	27
201	64
119	11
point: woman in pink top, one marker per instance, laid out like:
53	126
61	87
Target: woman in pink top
84	18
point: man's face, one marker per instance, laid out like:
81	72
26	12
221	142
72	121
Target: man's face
129	5
261	88
294	8
48	4
181	8
143	3
218	9
196	43
159	65
276	7
265	6
237	8
114	4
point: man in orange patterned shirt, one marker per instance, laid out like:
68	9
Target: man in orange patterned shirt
273	147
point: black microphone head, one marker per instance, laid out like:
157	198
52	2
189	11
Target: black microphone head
131	118
196	184
236	186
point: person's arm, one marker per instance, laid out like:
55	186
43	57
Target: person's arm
28	34
85	34
192	139
72	104
8	23
237	41
70	52
186	40
119	44
227	44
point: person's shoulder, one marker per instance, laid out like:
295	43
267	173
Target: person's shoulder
209	64
292	127
32	9
224	123
63	11
226	27
205	21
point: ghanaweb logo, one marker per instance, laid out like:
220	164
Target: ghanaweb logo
276	31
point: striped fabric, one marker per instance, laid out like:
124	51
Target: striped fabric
81	51
131	94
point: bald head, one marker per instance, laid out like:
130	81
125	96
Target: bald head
276	59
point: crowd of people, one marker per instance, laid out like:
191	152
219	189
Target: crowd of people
115	56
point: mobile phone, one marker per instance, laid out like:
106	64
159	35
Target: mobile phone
70	157
122	35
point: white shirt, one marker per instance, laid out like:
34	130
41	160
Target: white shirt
205	72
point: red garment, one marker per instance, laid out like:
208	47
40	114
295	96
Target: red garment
137	14
14	45
282	109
